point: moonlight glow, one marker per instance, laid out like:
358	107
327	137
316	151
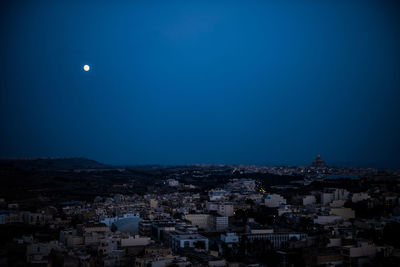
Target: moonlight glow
86	68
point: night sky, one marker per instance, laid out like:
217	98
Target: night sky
201	81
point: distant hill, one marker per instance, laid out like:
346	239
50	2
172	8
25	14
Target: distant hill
51	164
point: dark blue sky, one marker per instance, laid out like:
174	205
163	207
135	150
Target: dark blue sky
206	82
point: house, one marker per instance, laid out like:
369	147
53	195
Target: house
180	241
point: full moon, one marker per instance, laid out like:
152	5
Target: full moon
86	68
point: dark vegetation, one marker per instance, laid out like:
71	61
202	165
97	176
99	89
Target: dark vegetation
57	180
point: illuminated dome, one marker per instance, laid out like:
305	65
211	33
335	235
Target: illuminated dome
318	162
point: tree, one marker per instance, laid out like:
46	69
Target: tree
391	234
200	245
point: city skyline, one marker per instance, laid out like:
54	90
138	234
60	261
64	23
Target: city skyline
308	163
200	133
